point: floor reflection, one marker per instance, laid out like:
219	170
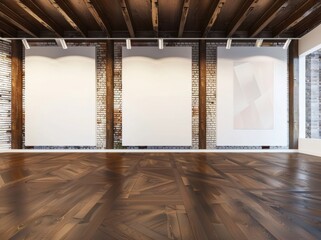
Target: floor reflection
114	174
203	169
163	195
17	195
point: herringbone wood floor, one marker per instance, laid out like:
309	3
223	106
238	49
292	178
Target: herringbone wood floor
160	196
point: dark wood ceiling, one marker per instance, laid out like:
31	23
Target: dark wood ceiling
158	18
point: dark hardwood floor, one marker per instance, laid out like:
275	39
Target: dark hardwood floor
160	196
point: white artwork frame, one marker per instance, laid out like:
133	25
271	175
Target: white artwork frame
275	134
157	96
60	96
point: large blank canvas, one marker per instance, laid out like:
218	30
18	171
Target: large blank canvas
252	97
60	96
157	96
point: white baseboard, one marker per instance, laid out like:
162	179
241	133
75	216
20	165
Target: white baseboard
151	150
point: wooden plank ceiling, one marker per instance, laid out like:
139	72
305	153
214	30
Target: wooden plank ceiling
158	18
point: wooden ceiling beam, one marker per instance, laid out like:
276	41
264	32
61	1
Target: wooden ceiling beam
308	24
4	33
34	10
69	16
16	20
97	12
303	11
216	11
184	14
268	16
155	16
7	29
242	14
127	17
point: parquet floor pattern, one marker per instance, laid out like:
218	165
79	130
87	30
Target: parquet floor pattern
160	196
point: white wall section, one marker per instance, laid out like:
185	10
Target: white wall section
60	96
252	99
310	42
302	96
157	96
310	146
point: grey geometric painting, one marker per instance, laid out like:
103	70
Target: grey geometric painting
253	95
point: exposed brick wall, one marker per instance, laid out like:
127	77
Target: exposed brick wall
100	94
313	96
118	94
211	55
5	95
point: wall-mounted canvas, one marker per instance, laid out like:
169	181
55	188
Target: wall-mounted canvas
60	96
157	96
252	97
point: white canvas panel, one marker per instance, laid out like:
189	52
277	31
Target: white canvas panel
60	96
252	97
157	96
253	86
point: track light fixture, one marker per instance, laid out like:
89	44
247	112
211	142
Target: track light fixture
25	44
63	43
161	43
259	42
229	43
128	43
287	43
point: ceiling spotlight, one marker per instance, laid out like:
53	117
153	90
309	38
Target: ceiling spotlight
161	43
229	43
128	43
259	42
63	43
25	44
58	42
287	43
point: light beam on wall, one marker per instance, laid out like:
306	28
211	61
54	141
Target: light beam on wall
259	42
229	43
25	44
287	43
128	44
63	43
161	43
